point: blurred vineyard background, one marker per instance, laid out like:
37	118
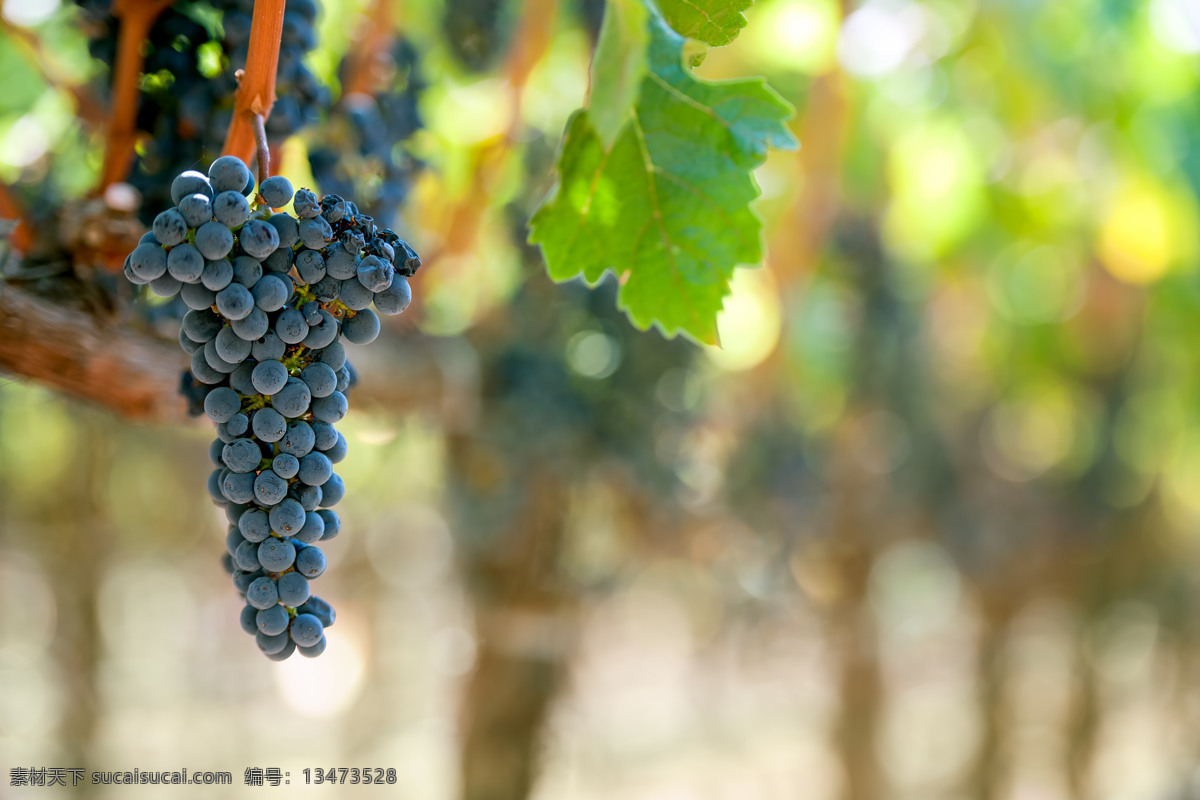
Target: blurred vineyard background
927	527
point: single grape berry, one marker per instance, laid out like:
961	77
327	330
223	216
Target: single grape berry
258	238
273	620
221	404
313	529
196	209
276	190
262	593
238	424
305	204
269	377
196	297
271	293
254	525
230	209
228	173
242	456
276	554
148	261
235	301
170	228
395	298
298	440
293	589
289	233
310	562
288	517
362	328
253	326
190	182
323	333
247	271
306	630
285	465
269	489
214	240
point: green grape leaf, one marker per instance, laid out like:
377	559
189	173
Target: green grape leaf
666	206
714	22
618	66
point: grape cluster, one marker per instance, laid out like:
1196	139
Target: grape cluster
367	162
477	31
271	297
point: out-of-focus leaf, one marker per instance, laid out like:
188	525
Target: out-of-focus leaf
618	66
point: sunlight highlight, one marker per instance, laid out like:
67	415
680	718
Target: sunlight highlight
324	686
751	321
800	36
1143	233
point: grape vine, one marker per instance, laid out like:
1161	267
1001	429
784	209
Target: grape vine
188	79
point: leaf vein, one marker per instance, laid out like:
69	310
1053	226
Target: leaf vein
705	14
662	231
587	204
698	192
691	101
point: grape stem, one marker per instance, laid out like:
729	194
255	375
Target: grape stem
135	21
256	90
262	149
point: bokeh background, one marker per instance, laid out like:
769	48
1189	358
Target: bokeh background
927	527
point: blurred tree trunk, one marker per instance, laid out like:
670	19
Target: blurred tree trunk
524	623
506	705
1083	721
854	634
83	540
985	779
860	691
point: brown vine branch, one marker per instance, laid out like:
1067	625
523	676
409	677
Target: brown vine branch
137	376
74	353
135	18
491	157
822	130
796	247
256	88
367	61
530	44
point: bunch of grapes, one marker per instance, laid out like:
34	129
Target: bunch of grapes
368	162
271	297
477	31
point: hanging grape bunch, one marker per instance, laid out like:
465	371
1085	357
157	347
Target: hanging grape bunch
272	296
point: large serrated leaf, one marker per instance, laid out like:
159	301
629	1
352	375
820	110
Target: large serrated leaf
714	22
667	206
